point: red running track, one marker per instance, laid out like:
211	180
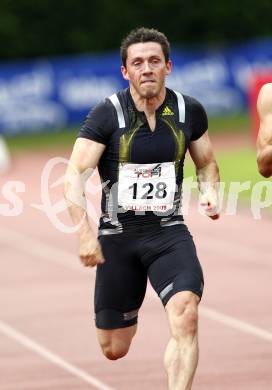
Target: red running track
47	335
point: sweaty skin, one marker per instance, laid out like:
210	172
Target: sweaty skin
264	140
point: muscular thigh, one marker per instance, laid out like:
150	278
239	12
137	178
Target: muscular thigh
175	267
120	283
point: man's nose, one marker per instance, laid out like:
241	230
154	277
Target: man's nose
146	67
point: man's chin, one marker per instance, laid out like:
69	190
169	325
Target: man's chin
148	94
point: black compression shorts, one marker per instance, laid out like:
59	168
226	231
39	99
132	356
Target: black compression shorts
165	255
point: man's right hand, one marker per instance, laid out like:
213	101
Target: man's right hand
90	252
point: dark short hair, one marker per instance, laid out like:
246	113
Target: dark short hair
143	34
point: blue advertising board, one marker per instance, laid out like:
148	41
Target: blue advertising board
56	93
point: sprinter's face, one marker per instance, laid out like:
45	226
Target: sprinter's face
146	68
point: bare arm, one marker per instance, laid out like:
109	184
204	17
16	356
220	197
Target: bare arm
207	174
83	161
264	140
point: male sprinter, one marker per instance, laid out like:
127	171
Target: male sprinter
264	140
138	138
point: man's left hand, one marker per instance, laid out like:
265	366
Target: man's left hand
209	203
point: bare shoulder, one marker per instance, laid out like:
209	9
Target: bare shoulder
266	88
264	102
264	105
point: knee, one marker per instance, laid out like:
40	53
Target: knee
184	321
115	343
114	351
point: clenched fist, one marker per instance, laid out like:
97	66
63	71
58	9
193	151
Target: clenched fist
210	204
90	252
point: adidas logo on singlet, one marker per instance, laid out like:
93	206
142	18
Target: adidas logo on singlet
167	111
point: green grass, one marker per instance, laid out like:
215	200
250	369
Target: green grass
239	165
229	123
239	168
57	139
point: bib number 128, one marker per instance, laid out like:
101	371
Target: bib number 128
159	192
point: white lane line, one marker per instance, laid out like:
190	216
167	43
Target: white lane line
232	322
30	344
47	252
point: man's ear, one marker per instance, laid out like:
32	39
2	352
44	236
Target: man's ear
169	66
124	72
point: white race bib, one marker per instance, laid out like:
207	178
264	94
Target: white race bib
147	187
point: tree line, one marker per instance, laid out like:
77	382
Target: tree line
31	28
